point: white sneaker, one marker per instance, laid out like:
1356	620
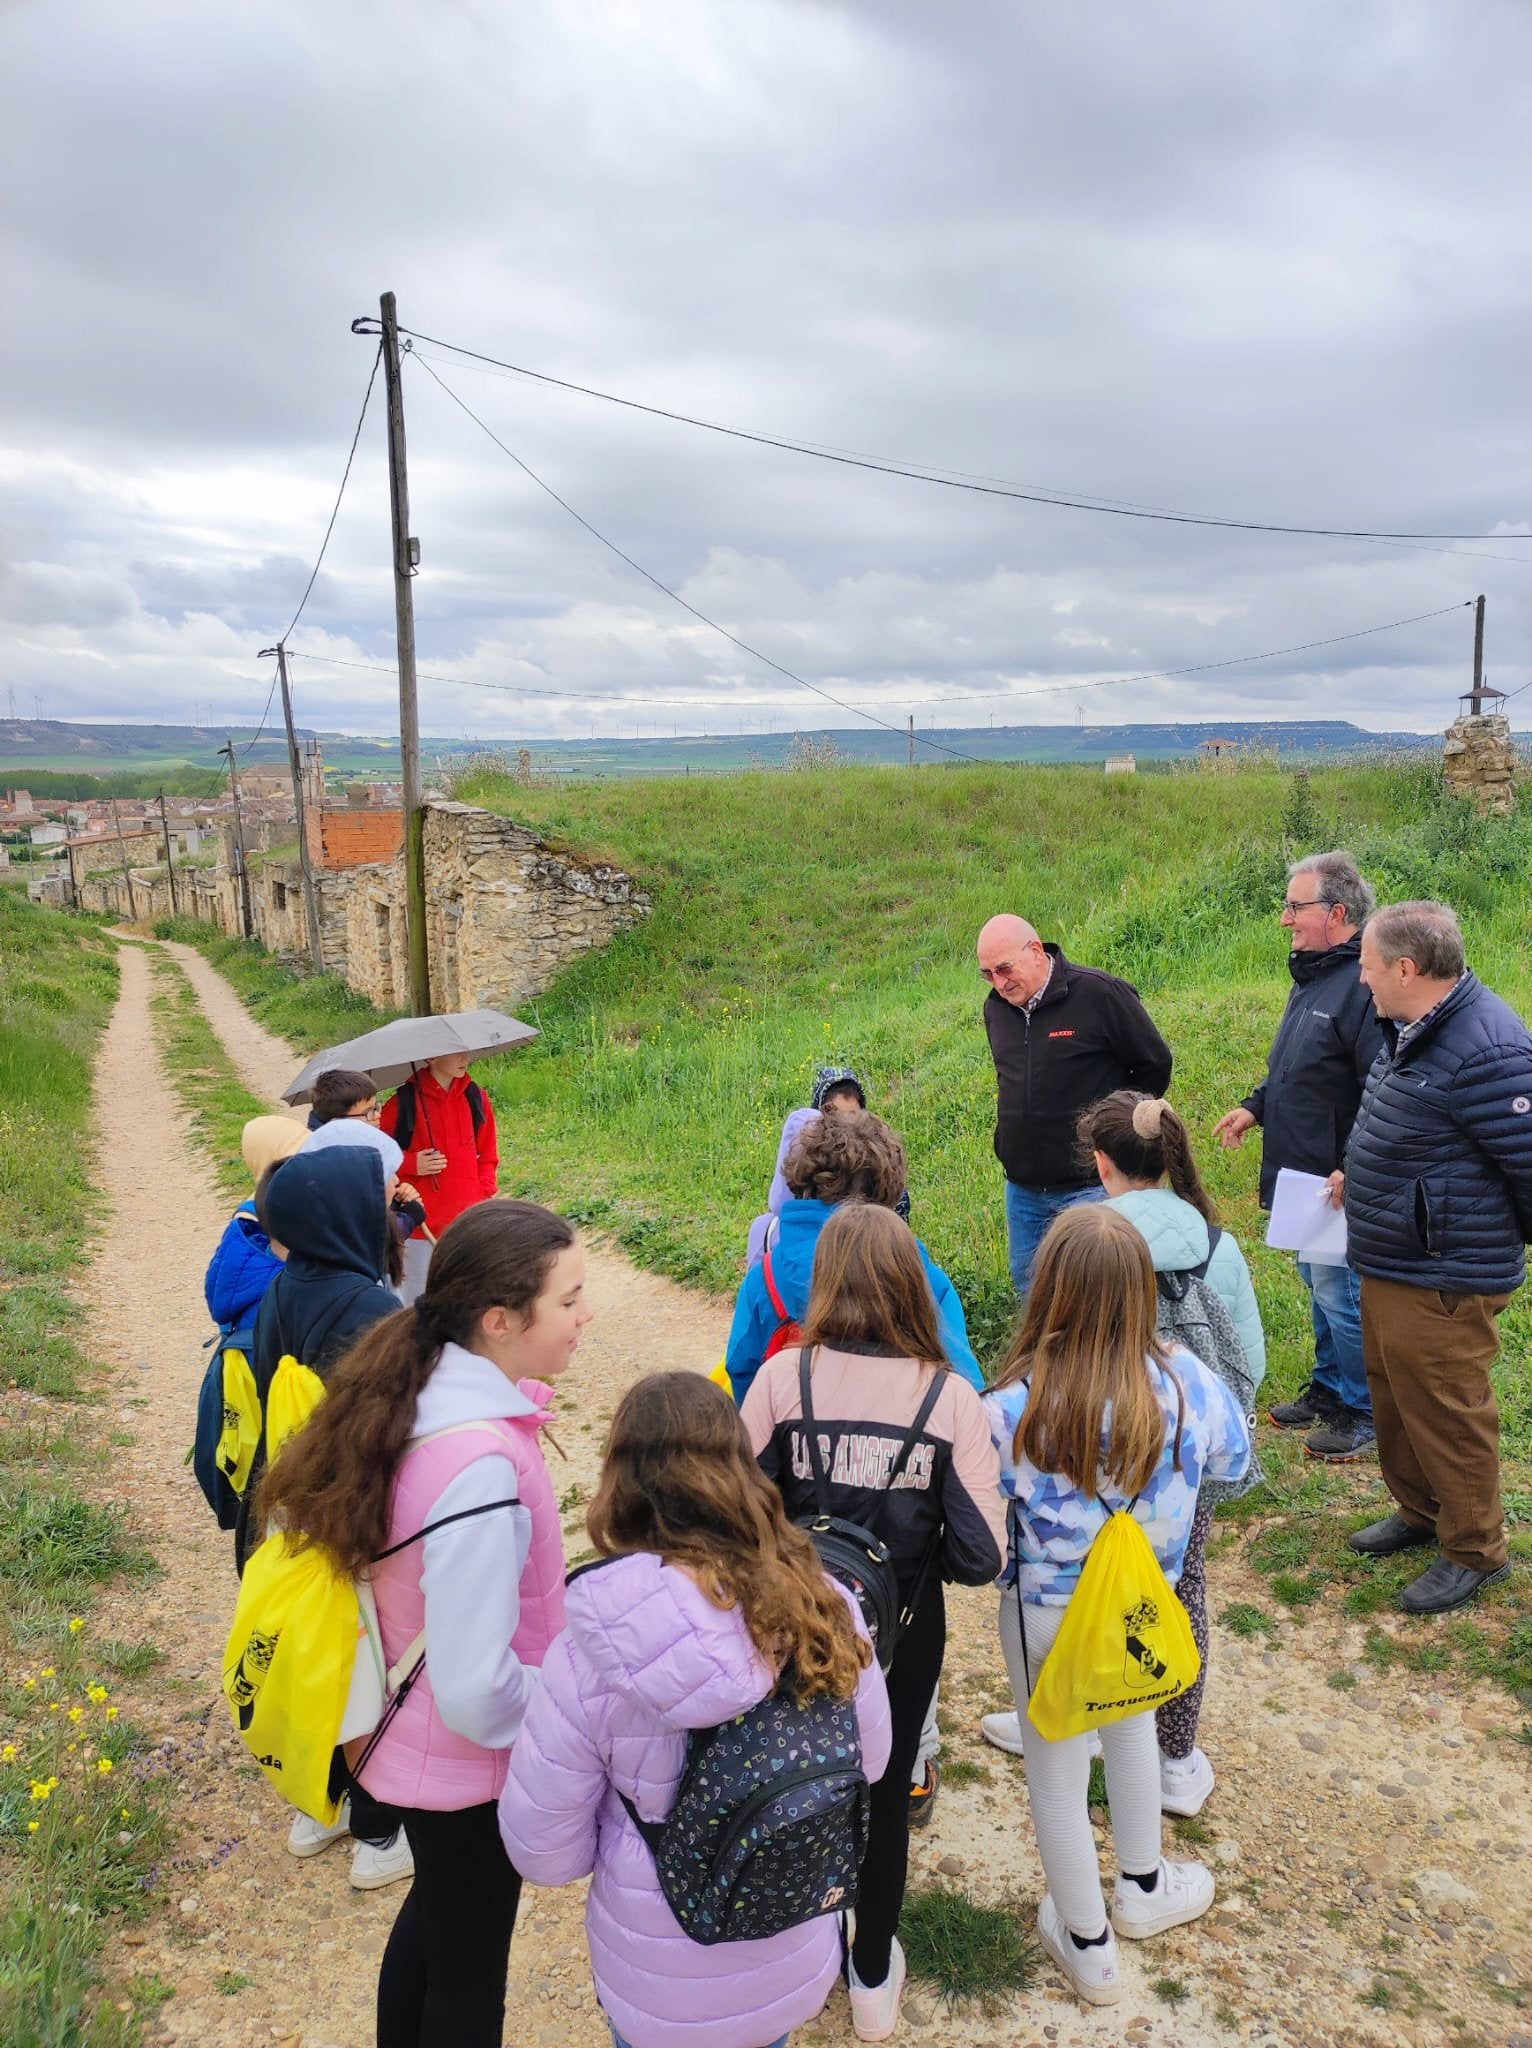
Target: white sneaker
308	1837
372	1868
875	2011
1092	1972
1184	1892
1185	1783
1004	1731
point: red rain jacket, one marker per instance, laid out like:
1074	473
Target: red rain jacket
443	1119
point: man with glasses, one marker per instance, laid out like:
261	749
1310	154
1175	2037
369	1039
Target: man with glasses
1062	1036
1326	1043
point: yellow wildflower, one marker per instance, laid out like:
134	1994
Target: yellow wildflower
105	1766
125	1815
29	1685
76	1624
47	1672
77	1713
111	1713
54	1705
33	1826
8	1753
95	1694
42	1788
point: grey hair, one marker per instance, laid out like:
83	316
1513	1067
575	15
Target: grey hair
1427	933
1340	881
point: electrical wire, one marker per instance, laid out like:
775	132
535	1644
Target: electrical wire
532	690
1073	501
335	511
1153	675
676	597
935	472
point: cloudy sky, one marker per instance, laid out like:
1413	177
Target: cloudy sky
1270	263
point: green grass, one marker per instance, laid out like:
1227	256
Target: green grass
1170	1990
75	1859
309	1010
1244	1618
969	1952
204	1077
831	914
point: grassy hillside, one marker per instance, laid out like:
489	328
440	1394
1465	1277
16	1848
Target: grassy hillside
831	915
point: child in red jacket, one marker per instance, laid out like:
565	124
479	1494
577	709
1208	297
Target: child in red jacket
445	1124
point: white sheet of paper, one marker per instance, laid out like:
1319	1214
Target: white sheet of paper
1303	1221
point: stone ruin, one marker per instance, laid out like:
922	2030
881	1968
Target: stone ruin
1479	762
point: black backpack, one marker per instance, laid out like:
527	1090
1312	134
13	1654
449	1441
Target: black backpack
853	1552
404	1126
769	1826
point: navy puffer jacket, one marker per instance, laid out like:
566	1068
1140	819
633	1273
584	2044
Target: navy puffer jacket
1439	1169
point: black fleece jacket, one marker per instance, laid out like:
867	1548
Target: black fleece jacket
1089	1035
1320	1058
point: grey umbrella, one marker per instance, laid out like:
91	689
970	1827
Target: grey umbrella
393	1052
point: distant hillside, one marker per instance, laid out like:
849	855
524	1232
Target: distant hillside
50	743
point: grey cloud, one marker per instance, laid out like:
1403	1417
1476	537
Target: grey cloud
1268	263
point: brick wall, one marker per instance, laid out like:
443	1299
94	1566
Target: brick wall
356	838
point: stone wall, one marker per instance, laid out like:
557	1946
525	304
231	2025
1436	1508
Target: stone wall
1479	762
504	910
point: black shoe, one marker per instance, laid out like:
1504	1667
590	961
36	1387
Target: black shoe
923	1795
1315	1404
1344	1438
1393	1533
1445	1585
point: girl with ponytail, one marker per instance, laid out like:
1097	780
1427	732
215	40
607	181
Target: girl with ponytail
704	1596
422	1468
1138	1143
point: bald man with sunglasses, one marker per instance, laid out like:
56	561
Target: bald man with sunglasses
1062	1036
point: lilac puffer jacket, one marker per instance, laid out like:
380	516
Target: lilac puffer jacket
645	1658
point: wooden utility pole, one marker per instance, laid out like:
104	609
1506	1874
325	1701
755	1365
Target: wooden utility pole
170	866
310	899
1478	655
239	846
127	875
406	560
912	739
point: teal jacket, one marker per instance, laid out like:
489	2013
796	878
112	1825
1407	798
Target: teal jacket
1178	1238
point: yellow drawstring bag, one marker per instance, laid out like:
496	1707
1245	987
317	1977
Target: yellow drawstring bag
288	1667
241	1432
720	1378
295	1392
1125	1646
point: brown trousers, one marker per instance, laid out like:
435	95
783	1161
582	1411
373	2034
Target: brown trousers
1428	1360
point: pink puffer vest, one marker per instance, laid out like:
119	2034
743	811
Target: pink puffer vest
419	1762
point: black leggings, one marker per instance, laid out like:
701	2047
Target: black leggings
880	1896
442	1984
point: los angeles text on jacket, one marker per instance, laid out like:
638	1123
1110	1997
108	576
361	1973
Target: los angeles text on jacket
1089	1035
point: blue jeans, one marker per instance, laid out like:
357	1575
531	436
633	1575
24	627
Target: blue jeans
621	2043
1336	1302
1028	1212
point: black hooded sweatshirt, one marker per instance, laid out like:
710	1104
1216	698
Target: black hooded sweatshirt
328	1209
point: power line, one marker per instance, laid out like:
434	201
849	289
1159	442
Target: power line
675	596
1073	501
531	690
1196	667
344	480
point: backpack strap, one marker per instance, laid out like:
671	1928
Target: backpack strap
1215	1234
478	1109
784	1315
404	1119
816	1453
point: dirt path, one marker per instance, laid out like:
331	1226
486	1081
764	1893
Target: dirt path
1330	1804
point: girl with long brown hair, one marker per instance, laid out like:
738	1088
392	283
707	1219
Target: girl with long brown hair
1092	1414
873	1347
1137	1144
705	1597
422	1468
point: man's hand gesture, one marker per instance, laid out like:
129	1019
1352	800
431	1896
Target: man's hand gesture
1230	1130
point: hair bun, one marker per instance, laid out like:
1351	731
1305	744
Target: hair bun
1147	1116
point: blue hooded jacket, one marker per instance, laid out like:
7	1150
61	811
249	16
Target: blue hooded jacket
792	1266
240	1270
328	1208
